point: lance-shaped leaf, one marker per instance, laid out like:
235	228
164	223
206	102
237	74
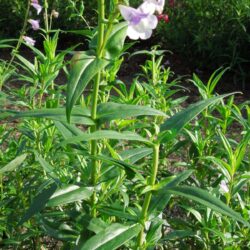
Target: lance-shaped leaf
111	111
79	115
13	164
107	134
175	123
161	197
70	194
38	203
115	42
206	199
84	68
111	238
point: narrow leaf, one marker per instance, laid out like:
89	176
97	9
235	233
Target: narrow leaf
161	198
69	194
112	237
38	203
84	68
175	123
206	199
111	111
107	134
13	164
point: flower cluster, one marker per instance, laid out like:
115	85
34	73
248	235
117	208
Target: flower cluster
34	23
142	21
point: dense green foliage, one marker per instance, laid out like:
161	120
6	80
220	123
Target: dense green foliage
91	161
217	32
214	31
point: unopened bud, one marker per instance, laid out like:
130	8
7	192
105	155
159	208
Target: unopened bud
55	14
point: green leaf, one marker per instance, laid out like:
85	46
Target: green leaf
107	134
224	167
178	234
84	69
13	164
160	198
58	231
38	203
46	166
111	111
155	231
135	154
206	199
97	225
115	42
79	115
175	123
130	169
69	194
67	130
119	212
111	238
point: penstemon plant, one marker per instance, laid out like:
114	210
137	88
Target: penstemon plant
107	193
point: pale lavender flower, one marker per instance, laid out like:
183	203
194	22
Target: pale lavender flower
158	5
29	40
37	6
34	23
141	21
224	187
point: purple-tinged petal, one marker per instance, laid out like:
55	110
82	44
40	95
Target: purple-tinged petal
133	16
38	7
141	21
34	23
223	187
29	40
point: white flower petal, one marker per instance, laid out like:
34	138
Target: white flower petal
147	7
146	35
141	20
150	22
159	4
132	33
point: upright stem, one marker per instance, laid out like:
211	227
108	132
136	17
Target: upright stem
153	70
46	18
15	50
144	213
95	168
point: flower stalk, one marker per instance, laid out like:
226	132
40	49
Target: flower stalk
93	143
148	197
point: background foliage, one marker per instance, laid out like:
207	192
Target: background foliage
216	31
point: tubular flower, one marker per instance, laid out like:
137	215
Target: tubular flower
37	6
29	40
34	23
141	20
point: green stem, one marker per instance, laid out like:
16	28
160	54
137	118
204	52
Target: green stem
144	213
20	39
93	144
1	186
154	70
46	18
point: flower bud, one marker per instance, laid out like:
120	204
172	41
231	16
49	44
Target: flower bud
55	14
